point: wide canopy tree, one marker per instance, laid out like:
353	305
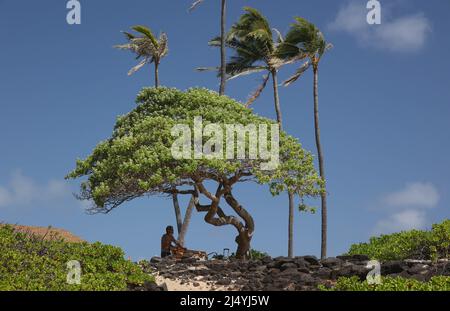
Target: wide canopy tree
138	160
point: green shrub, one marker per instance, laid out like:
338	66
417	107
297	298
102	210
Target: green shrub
437	283
414	244
254	254
29	262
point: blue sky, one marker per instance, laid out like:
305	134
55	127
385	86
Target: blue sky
384	103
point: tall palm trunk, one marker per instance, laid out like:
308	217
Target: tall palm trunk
222	49
291	226
290	195
186	222
156	74
277	98
323	253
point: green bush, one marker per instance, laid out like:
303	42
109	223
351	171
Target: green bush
437	283
414	244
255	254
29	262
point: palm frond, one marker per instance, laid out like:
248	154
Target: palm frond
298	73
163	45
237	71
207	68
195	4
258	91
126	46
138	66
128	35
216	42
280	38
147	32
253	25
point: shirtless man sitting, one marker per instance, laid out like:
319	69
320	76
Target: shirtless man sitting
166	242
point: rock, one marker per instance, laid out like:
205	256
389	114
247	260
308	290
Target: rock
188	260
288	265
331	262
282	273
324	273
304	270
156	260
274	271
279	261
235	274
418	269
304	279
360	258
224	281
312	260
300	262
354	258
343	271
267	279
290	272
393	267
258	268
360	271
272	288
290	287
164	287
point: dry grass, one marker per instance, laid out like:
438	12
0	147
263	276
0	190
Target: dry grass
49	233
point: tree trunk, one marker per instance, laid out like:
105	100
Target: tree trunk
156	74
223	72
243	241
176	207
186	222
291	226
216	216
277	98
321	162
290	195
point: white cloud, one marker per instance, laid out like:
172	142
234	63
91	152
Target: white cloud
23	191
414	194
5	197
404	220
409	207
403	34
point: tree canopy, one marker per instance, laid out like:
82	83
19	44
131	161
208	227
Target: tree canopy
137	159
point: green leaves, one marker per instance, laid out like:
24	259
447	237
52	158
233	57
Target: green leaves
145	46
137	160
437	283
147	32
31	263
414	244
304	39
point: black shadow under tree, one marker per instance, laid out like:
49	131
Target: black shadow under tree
137	160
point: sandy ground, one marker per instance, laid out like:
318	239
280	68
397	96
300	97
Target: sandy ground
194	285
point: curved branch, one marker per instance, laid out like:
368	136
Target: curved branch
242	212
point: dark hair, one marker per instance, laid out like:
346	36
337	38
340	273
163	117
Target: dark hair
169	228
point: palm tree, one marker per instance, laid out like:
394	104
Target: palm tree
305	39
222	42
147	48
151	50
256	51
